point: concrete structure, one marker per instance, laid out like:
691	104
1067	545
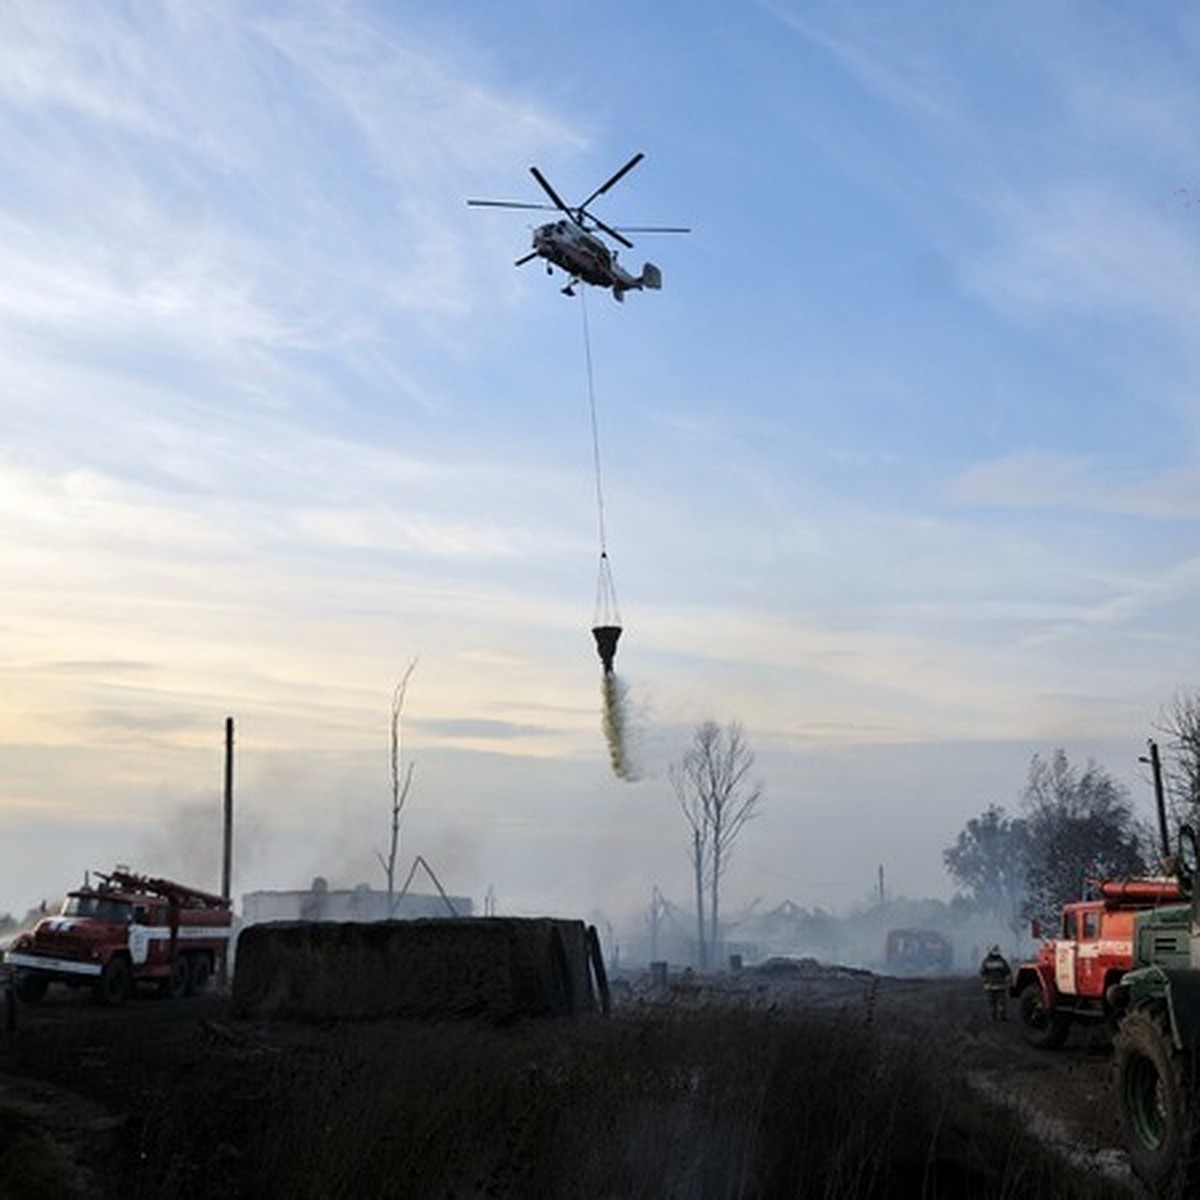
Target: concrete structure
495	968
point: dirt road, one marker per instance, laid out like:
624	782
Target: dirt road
1064	1096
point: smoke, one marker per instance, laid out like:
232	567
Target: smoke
184	842
616	727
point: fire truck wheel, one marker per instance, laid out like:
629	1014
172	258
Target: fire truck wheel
30	986
1041	1028
175	985
198	974
115	982
1160	1124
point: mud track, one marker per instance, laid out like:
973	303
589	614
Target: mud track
1063	1096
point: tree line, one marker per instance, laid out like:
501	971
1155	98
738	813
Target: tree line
1075	826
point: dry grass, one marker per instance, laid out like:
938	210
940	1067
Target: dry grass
34	1163
703	1104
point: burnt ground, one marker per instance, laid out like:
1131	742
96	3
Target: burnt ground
1063	1096
85	1091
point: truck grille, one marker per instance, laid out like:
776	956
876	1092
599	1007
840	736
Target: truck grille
61	945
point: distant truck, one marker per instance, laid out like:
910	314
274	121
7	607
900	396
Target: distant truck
125	930
917	951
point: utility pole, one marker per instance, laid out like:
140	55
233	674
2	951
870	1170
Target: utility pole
227	822
1159	799
227	840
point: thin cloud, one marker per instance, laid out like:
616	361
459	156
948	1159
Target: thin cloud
1042	480
876	63
477	729
1079	247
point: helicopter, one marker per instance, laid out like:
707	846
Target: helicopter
574	245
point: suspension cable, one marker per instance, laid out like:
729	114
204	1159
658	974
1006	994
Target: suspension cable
587	351
607	612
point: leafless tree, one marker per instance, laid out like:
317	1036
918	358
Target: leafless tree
1180	722
401	780
691	802
712	784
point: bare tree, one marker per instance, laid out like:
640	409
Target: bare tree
401	779
712	784
691	802
1180	722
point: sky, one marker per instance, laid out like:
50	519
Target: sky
900	469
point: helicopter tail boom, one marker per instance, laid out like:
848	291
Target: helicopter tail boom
651	277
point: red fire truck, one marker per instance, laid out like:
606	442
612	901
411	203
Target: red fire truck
1068	980
123	930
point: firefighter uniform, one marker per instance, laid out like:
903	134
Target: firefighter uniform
997	975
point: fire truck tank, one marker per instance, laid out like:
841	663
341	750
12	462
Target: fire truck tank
1142	891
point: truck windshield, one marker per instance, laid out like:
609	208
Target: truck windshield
99	908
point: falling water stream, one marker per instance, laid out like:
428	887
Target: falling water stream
616	727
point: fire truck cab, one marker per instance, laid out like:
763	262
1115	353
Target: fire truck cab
124	930
1068	980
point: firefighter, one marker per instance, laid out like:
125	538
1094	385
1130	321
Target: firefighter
997	975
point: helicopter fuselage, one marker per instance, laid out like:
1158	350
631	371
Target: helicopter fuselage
580	254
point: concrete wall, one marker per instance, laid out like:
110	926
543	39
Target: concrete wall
496	968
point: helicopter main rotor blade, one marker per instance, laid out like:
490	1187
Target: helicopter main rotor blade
613	233
558	200
508	204
652	229
633	162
